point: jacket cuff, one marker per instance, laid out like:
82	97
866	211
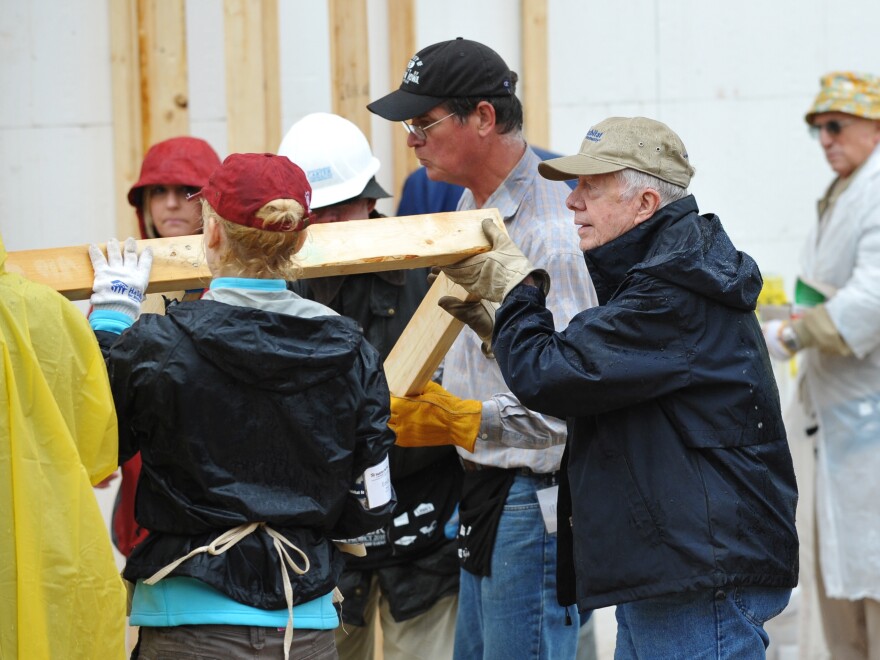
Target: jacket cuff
116	322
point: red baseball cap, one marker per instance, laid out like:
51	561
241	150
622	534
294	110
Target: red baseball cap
245	183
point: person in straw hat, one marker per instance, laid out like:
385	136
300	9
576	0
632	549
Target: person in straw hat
835	331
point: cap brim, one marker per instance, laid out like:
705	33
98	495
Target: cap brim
400	105
571	167
373	190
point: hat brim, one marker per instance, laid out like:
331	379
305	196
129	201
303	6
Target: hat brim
373	191
400	105
571	167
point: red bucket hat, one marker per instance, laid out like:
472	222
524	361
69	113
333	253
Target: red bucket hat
245	183
179	161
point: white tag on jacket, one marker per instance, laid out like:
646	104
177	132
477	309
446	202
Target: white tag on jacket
547	502
377	481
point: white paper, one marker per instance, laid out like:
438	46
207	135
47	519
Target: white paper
377	483
547	502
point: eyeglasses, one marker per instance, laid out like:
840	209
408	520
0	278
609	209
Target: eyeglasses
833	127
421	131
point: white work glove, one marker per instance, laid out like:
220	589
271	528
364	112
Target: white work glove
773	336
121	279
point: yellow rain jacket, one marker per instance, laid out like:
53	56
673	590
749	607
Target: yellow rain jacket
60	593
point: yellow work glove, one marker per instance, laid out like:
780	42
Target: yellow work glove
435	418
478	315
491	275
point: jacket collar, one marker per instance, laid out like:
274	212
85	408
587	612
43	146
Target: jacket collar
609	264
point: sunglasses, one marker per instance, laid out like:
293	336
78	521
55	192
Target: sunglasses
833	128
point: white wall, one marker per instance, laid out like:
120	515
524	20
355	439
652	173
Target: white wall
733	79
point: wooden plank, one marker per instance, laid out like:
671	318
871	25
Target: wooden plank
535	89
336	248
253	80
425	341
350	62
401	47
164	79
128	148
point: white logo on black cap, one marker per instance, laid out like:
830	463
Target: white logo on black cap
411	75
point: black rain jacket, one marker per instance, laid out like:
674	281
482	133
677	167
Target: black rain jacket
243	415
679	475
415	563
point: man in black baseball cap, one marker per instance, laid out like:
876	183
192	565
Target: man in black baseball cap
455	68
466	128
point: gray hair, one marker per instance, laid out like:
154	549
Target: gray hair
633	182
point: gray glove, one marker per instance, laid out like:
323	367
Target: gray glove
478	315
491	275
121	279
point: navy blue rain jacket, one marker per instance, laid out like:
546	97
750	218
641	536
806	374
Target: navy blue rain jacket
679	475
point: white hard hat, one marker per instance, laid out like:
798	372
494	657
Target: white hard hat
334	154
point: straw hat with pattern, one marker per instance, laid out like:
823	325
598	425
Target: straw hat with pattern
855	94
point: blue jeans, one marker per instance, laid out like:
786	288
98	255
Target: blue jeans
699	625
514	613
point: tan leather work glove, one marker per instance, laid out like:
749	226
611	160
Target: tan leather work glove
435	418
478	315
491	275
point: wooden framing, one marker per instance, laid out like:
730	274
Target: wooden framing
350	62
253	78
401	47
163	66
535	90
128	148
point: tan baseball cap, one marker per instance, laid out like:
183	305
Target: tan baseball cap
618	143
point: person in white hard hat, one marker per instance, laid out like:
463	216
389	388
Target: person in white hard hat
410	575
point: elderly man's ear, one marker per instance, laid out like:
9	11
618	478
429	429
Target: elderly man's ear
649	202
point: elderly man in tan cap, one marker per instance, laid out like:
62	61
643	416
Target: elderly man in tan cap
836	330
677	495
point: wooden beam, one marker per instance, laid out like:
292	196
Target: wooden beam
128	147
350	62
424	341
401	47
164	79
253	79
535	89
337	248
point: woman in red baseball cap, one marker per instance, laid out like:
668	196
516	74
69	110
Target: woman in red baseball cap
261	419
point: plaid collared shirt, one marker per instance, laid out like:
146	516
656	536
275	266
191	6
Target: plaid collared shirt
538	222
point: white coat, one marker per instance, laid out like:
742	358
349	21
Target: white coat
844	254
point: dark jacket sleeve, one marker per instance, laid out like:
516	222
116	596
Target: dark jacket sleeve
118	369
374	440
609	357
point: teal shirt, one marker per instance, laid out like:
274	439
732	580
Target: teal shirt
183	601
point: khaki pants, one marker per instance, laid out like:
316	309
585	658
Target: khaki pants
429	636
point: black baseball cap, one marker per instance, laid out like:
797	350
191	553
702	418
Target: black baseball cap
449	69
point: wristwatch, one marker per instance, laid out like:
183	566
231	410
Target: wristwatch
788	337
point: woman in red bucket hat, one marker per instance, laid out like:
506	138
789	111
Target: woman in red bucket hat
172	170
262	422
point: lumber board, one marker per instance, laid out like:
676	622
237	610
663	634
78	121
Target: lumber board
401	24
534	81
350	62
253	78
340	248
424	341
